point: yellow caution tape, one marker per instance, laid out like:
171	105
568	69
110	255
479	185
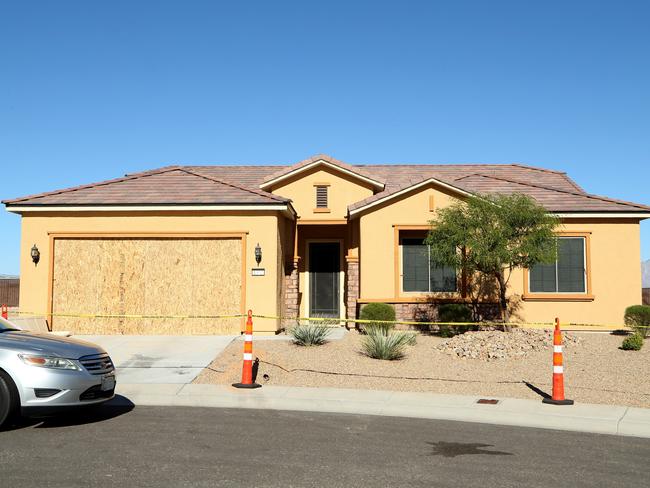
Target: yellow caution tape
530	325
461	324
127	316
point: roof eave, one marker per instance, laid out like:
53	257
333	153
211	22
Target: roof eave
632	214
135	207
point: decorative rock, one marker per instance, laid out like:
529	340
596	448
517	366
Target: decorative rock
491	345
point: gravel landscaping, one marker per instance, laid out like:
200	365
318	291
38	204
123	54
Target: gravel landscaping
487	363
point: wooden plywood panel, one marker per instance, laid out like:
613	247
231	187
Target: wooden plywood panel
147	277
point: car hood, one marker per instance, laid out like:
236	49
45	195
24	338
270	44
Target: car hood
40	343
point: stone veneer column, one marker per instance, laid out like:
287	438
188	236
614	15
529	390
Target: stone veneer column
352	288
291	305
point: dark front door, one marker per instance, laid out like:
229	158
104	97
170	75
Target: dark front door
324	269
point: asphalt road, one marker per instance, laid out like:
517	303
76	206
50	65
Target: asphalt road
176	447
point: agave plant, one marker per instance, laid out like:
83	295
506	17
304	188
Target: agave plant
378	328
313	333
388	346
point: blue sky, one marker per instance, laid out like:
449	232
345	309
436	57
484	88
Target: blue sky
93	90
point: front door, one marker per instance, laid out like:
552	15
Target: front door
324	279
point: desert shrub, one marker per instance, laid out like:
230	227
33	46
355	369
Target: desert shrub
311	333
632	343
390	346
453	312
638	317
377	311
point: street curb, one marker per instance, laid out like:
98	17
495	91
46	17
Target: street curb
599	419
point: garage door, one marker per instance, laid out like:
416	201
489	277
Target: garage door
143	276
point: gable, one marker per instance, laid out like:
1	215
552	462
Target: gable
436	188
326	162
341	190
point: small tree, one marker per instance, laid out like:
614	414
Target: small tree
492	235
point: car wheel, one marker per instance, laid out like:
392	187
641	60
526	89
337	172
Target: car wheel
8	398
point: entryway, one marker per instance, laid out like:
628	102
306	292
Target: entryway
325	276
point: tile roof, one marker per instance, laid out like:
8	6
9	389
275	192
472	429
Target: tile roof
225	184
171	185
553	199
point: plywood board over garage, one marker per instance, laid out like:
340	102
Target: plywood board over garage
138	275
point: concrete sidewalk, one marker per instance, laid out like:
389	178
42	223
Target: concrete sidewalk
601	419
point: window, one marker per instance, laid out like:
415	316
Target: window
419	274
567	274
321	196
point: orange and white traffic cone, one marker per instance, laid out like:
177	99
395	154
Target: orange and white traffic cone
558	370
5	311
247	370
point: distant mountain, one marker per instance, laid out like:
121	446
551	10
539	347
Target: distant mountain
645	273
7	277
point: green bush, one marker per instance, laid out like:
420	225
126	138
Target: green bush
638	317
389	346
453	312
377	311
310	334
632	343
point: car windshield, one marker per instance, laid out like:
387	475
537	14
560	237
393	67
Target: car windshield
6	326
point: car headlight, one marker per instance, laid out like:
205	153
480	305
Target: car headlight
49	362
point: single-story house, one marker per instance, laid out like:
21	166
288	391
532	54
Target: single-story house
316	238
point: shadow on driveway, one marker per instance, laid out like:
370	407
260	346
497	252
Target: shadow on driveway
74	416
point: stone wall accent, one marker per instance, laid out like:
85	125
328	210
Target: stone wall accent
428	312
291	296
351	288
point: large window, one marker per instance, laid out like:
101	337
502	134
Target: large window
567	275
419	274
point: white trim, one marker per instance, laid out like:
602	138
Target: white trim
408	189
557	348
140	208
613	215
341	243
324	162
558	369
248	356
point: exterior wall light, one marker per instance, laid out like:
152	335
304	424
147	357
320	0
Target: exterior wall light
258	254
36	254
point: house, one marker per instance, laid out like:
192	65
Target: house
316	238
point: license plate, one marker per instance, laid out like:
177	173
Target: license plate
108	383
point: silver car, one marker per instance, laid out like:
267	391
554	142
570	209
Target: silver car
44	373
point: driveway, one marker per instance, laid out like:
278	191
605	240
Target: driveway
160	359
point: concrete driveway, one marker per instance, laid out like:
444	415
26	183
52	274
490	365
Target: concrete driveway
160	359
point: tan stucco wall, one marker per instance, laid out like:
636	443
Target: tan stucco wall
615	276
615	256
343	191
262	227
377	255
